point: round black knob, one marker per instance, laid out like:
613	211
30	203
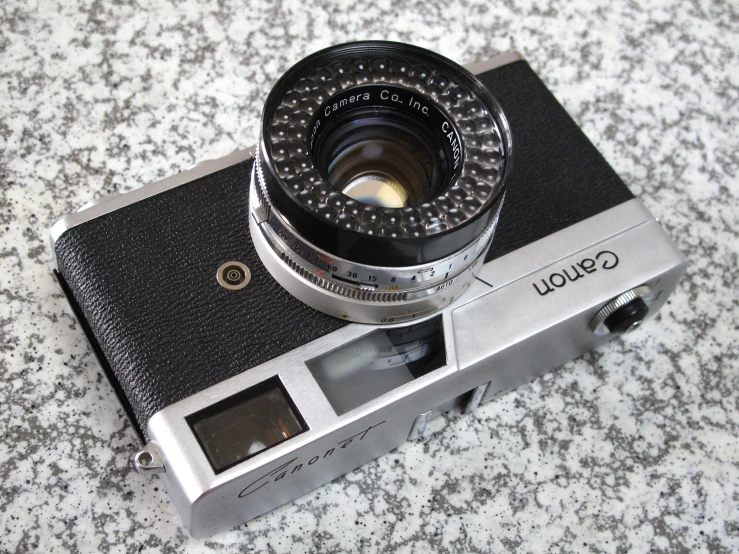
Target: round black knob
627	317
624	313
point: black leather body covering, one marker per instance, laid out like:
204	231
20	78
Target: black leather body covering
142	278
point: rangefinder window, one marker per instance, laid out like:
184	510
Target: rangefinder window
379	362
246	424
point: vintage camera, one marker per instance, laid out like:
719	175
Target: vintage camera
276	318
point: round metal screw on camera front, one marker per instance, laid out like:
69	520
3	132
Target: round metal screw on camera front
233	275
148	460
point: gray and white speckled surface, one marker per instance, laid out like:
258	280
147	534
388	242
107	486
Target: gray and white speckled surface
634	447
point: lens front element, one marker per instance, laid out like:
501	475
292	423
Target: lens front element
374	188
383	159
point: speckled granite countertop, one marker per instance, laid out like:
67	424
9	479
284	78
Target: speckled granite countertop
634	447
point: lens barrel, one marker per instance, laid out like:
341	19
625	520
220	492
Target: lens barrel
379	159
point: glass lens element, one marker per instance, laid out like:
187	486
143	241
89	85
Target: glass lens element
384	159
377	189
378	172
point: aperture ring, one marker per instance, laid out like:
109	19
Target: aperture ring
363	282
338	288
354	291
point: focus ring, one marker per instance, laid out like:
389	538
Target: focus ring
348	273
343	290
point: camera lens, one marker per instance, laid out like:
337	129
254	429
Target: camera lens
382	159
379	178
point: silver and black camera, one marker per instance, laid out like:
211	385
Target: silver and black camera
276	318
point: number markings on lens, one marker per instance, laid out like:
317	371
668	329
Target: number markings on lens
423	281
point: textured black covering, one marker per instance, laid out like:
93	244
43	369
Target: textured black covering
558	178
145	279
142	279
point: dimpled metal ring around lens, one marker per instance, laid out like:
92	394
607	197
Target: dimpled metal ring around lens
378	180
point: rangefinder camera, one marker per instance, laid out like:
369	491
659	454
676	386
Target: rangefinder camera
278	317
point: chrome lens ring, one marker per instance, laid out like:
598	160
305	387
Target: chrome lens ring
385	283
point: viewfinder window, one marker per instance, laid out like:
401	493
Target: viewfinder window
246	424
379	362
